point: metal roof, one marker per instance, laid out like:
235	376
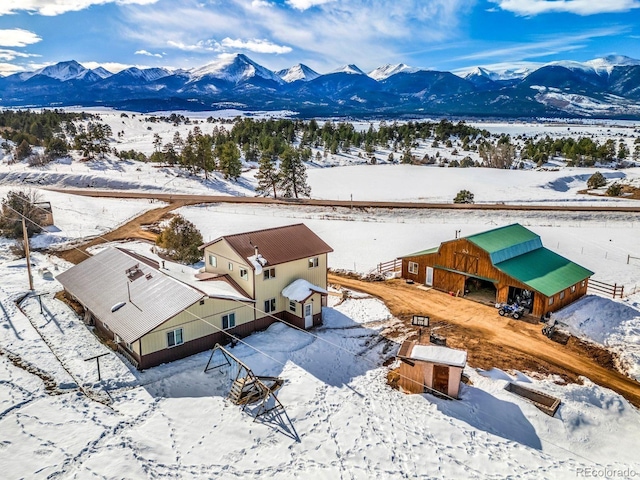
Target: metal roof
277	245
506	242
544	271
113	276
428	251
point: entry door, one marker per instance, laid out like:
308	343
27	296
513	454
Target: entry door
441	378
308	315
429	277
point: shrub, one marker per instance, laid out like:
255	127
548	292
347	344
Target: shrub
181	239
463	196
614	190
596	180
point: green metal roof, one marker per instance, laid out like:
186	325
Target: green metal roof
506	242
423	252
544	271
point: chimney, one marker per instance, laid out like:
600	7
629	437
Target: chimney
255	250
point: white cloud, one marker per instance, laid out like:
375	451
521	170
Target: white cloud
306	4
8	55
9	68
58	7
255	45
578	7
148	54
113	67
16	37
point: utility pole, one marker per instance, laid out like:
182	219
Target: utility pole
26	251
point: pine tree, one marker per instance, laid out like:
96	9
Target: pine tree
293	181
181	240
229	159
268	177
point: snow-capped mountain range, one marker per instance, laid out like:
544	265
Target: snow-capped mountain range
603	87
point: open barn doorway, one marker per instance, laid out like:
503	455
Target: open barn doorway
521	297
480	290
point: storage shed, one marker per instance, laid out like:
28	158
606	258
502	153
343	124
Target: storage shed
424	368
505	264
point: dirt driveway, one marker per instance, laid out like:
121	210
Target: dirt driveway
494	341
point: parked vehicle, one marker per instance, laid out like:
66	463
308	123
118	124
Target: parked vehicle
511	310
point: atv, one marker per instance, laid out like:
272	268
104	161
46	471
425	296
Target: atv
514	310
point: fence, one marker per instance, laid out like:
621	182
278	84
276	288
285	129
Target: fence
608	289
394	265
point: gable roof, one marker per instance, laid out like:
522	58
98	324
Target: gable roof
150	297
506	242
276	245
544	271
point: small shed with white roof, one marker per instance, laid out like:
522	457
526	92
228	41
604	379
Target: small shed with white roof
429	368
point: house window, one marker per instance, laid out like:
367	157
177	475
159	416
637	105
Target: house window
573	288
174	337
202	302
292	306
129	347
213	261
561	295
116	338
583	283
550	300
229	320
413	268
270	305
313	262
269	273
244	274
230	266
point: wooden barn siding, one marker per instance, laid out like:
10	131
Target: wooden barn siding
411	377
454	282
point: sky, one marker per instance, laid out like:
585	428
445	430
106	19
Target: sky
449	35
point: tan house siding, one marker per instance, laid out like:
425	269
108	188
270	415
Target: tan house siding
224	255
192	325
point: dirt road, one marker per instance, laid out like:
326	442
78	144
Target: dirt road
494	341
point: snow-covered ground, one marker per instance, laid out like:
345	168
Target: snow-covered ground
343	420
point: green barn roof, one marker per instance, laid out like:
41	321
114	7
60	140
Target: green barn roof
506	242
423	252
544	271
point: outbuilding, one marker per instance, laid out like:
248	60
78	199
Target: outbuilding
425	368
505	264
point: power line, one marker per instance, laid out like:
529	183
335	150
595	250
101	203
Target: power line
334	345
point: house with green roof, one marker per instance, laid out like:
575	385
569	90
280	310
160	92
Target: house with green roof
501	265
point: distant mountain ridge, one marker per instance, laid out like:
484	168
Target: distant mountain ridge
607	87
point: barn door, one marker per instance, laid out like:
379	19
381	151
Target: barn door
429	277
441	378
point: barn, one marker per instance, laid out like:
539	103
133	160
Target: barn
505	264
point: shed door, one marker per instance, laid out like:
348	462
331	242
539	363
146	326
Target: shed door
441	378
429	277
308	316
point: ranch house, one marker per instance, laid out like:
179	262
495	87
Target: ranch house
501	265
156	315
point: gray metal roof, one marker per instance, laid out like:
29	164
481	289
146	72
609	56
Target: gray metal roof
100	282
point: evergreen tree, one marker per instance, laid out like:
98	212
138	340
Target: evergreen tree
268	177
16	204
596	180
23	150
229	160
464	196
181	240
293	175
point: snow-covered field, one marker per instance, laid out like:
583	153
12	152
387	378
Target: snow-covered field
342	419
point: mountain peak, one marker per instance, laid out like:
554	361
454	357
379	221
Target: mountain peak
385	71
234	68
297	72
350	69
63	71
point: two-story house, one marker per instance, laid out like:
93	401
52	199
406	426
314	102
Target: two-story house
283	269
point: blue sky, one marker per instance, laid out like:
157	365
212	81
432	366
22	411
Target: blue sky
323	34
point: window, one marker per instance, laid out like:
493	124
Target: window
269	273
573	288
129	347
230	266
313	262
561	295
550	300
174	337
229	320
270	305
583	283
292	306
244	274
213	261
413	268
202	302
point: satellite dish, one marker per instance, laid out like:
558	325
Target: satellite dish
118	306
